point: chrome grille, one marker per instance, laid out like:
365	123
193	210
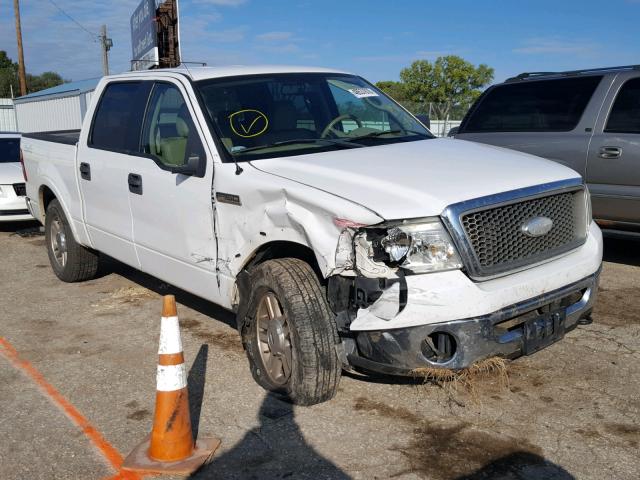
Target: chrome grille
489	231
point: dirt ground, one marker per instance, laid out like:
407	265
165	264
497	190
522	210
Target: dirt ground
569	411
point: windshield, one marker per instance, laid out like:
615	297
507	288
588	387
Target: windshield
9	150
265	116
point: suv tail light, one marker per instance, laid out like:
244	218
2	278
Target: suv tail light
24	170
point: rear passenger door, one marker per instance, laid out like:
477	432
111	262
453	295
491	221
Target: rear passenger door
105	158
613	165
172	212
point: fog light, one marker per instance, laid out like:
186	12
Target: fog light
439	347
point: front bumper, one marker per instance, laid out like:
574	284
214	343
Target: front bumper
14	208
501	333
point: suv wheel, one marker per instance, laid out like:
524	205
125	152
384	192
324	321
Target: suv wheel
70	261
290	333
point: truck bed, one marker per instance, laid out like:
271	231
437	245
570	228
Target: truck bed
68	137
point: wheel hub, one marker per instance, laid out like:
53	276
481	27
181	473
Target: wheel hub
58	242
274	339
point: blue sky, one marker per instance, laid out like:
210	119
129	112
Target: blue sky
373	38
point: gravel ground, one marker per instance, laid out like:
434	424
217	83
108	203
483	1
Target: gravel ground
570	411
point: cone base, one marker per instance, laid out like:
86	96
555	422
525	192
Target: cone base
139	461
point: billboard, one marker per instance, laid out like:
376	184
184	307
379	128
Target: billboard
144	36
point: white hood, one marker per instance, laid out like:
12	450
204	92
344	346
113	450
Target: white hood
10	172
417	179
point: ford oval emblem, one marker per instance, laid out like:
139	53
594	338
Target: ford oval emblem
537	226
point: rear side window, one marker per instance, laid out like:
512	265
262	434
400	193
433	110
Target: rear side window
625	114
536	106
118	118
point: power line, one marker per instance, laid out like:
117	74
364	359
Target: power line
95	37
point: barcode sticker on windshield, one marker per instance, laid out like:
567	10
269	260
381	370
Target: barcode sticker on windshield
362	92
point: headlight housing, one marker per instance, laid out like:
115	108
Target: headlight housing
4	191
420	247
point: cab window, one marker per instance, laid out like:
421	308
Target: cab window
116	123
169	134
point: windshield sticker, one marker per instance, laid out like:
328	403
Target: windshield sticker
362	92
248	123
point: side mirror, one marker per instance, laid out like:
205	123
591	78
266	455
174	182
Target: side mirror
195	167
424	119
453	132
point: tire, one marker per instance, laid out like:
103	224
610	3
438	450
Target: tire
70	261
290	290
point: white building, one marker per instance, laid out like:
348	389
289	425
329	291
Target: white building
7	116
57	108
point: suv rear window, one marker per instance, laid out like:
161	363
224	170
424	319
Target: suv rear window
533	106
625	114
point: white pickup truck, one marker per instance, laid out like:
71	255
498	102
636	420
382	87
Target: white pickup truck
341	232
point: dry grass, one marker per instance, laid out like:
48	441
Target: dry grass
124	296
468	380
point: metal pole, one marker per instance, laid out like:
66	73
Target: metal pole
104	44
21	70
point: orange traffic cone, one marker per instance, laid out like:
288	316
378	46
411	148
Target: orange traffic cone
170	447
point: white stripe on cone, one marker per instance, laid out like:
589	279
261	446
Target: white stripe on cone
170	341
171	377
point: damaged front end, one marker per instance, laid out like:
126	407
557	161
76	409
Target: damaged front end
408	270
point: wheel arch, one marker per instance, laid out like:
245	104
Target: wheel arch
283	249
269	251
45	196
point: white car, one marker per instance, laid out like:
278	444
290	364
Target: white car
12	186
339	229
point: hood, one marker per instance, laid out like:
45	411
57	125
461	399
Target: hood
417	179
10	172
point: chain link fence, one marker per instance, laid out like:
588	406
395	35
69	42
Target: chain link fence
444	116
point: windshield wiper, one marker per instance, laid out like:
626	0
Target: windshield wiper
320	141
385	132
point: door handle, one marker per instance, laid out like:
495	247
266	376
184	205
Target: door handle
85	171
135	183
610	152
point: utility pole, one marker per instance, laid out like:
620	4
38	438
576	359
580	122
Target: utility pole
21	70
106	44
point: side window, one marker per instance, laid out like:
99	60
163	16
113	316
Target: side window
118	118
533	106
625	113
169	133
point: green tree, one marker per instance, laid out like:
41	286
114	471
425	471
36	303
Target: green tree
394	89
45	80
9	78
450	83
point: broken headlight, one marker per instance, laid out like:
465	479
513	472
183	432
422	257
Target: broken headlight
419	247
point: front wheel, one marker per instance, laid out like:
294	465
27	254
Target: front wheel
70	261
290	333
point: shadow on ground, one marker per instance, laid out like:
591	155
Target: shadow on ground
110	265
625	251
274	449
520	466
20	228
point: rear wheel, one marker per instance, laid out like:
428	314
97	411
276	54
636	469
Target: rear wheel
70	261
290	333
